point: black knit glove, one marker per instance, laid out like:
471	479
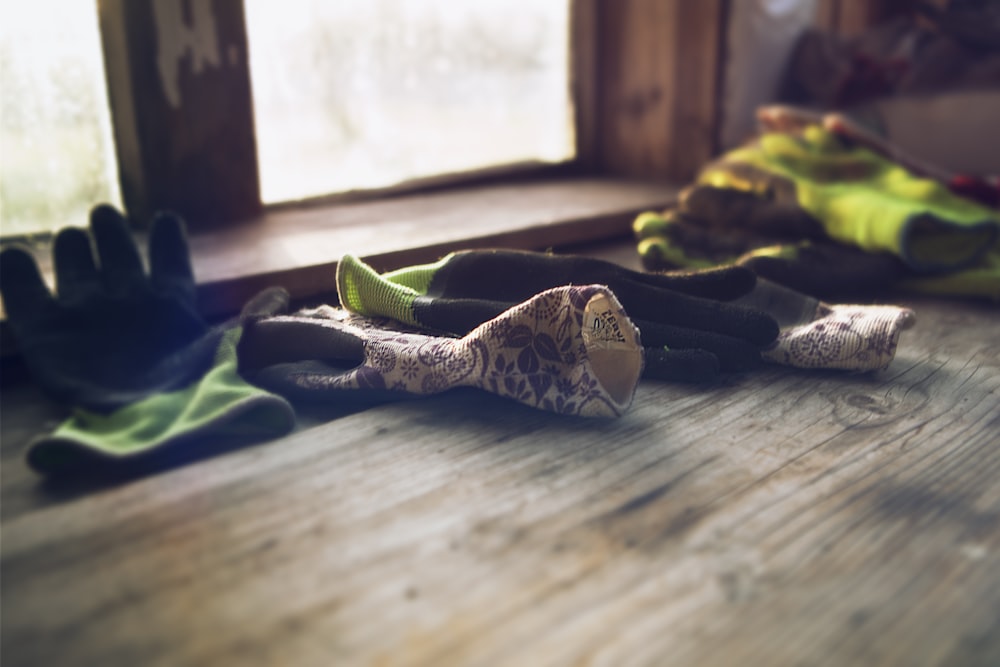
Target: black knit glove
111	334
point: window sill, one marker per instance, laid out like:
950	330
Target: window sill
298	248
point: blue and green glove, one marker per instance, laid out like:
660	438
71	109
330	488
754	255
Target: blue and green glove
128	351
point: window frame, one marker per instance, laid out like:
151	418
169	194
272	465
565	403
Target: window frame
631	121
203	165
645	80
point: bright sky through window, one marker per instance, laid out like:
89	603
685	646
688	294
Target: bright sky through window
56	153
362	94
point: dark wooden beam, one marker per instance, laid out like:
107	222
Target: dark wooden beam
179	87
658	79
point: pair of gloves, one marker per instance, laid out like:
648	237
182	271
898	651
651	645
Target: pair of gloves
571	335
144	372
811	210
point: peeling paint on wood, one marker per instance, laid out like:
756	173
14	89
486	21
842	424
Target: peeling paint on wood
177	42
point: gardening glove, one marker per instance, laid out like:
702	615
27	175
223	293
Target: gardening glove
126	350
806	209
714	227
570	350
857	129
862	199
688	336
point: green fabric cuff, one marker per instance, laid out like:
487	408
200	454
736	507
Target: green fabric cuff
981	281
221	404
870	202
363	291
417	278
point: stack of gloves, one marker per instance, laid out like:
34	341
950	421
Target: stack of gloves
819	212
148	380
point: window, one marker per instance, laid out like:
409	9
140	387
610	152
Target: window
348	95
600	97
363	94
56	153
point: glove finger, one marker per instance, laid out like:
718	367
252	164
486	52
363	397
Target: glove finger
645	302
513	276
21	284
169	260
724	283
121	265
279	340
733	354
733	208
718	207
266	303
690	244
827	271
456	316
680	365
715	283
76	272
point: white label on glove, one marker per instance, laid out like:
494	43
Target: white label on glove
603	325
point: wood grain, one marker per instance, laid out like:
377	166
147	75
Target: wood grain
780	518
660	68
586	56
299	247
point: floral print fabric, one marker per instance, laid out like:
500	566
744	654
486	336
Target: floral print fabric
846	337
570	350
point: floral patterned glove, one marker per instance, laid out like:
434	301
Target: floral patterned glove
570	350
687	337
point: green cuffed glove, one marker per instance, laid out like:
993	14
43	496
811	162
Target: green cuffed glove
862	199
128	350
217	408
806	209
690	330
714	227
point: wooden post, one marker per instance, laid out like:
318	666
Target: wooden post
179	87
585	55
658	83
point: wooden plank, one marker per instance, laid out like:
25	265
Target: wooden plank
779	518
699	43
179	86
586	56
299	248
637	79
658	83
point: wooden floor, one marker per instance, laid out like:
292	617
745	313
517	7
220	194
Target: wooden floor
781	518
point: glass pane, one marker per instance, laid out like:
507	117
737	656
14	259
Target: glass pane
56	153
360	94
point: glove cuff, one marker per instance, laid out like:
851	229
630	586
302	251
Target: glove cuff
219	405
